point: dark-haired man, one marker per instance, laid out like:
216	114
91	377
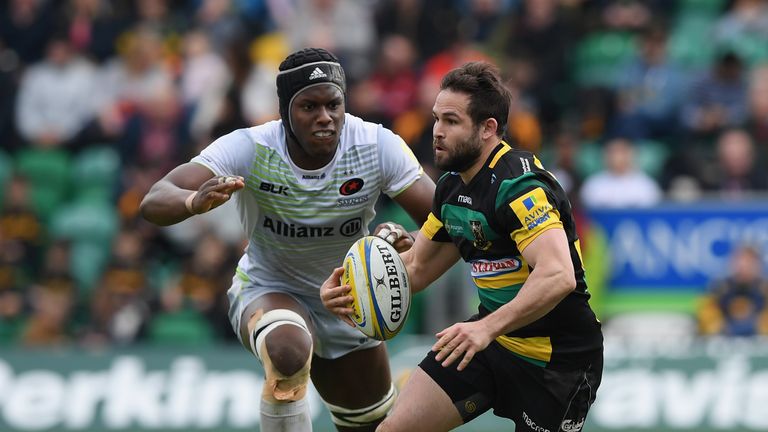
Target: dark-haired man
305	187
533	353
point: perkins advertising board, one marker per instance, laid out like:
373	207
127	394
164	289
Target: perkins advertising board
675	246
718	386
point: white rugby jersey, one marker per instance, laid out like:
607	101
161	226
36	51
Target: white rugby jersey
300	223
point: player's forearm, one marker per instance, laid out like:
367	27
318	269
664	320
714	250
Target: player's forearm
165	204
543	290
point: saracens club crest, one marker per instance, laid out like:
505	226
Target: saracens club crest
480	242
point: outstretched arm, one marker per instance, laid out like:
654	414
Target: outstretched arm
187	190
550	281
416	201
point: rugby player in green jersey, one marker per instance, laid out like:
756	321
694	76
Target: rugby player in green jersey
534	351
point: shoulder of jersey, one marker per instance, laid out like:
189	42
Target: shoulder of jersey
269	134
358	131
515	163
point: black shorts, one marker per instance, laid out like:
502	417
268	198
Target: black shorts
535	398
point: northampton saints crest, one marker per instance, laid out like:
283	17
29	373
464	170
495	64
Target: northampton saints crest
481	242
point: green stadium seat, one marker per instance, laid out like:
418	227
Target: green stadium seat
753	49
685	44
85	221
600	56
589	158
48	172
651	156
90	226
704	7
95	172
185	327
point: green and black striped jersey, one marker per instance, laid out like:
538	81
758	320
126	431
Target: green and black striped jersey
508	204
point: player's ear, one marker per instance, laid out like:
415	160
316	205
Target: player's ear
489	127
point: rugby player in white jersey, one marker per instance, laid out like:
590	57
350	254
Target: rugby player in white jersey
305	187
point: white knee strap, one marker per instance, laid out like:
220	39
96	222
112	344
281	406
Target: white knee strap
360	417
270	321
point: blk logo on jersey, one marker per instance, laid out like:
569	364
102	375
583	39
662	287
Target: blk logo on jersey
351	186
273	188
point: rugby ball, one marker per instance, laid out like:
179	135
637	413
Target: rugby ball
380	287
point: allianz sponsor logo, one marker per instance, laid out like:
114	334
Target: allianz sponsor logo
347	228
485	268
294	230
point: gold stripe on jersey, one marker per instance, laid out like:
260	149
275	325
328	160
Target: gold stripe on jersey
536	215
504	280
431	226
537	348
500	153
577	245
538	164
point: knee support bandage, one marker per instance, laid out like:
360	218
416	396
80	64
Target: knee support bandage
279	386
360	417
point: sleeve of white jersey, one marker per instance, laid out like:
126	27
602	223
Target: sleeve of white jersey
231	154
399	166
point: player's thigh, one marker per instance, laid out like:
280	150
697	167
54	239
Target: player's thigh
355	380
422	405
265	303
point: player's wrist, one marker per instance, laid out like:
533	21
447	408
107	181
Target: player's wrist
188	203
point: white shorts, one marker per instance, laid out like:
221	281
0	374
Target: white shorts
332	337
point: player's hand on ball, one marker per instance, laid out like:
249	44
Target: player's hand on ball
462	340
395	234
214	193
336	297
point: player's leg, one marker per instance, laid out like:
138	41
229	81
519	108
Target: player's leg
357	387
275	327
540	398
422	405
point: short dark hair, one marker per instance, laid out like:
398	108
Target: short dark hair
488	96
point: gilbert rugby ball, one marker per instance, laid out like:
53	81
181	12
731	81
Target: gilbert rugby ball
380	288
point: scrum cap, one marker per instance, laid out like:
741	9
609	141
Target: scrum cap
302	69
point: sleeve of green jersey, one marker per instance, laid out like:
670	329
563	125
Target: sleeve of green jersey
433	227
527	208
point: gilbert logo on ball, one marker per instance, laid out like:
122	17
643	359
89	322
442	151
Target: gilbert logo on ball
380	287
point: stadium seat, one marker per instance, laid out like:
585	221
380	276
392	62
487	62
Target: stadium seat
95	172
685	47
186	327
752	48
48	172
589	158
600	56
90	226
651	156
708	7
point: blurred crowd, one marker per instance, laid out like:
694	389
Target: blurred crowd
628	102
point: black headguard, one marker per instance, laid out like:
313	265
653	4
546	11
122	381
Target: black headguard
302	69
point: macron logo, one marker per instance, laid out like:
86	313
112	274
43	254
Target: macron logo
317	73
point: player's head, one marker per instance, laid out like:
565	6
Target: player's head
311	87
470	112
488	97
